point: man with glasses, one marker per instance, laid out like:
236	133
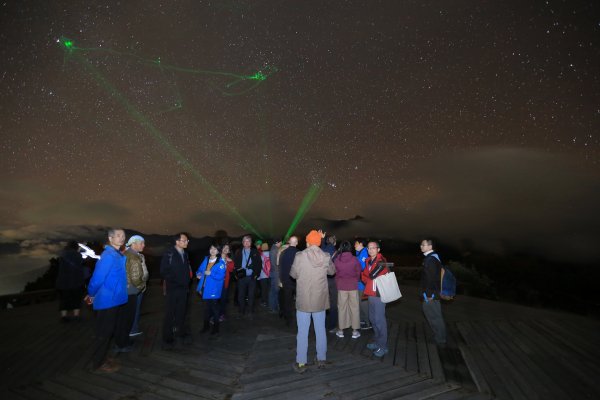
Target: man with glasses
376	266
176	271
430	291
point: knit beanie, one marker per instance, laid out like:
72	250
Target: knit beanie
313	238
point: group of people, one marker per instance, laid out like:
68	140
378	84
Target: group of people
115	291
355	279
332	286
354	276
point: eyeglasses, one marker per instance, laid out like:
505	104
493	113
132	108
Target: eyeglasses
372	248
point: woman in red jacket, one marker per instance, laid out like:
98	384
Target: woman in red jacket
376	265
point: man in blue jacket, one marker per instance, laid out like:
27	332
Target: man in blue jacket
108	292
360	245
176	271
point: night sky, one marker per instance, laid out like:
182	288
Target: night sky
460	119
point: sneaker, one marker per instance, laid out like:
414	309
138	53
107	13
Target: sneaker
339	334
380	352
355	334
133	334
222	318
334	330
366	326
108	367
320	364
299	368
372	346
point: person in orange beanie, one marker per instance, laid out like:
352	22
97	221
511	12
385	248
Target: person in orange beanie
310	269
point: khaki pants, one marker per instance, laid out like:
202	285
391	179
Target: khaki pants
348	310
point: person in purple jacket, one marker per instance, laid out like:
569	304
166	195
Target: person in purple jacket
347	276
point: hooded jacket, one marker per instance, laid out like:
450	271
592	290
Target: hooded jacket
134	266
310	269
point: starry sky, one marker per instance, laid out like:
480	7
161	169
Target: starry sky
464	120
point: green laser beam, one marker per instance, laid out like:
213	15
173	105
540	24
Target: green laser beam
235	79
309	198
159	137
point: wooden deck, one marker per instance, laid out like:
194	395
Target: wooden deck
495	350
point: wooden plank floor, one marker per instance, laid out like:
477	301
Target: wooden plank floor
485	357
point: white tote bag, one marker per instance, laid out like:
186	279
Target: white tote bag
388	287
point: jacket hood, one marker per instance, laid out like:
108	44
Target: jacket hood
345	256
315	256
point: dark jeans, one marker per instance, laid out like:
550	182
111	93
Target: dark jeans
433	313
176	321
265	287
211	310
106	322
288	301
246	288
135	327
224	300
125	317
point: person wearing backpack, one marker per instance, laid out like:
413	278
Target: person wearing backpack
430	291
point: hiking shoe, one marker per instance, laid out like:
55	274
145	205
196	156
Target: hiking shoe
339	334
299	368
372	346
355	334
380	352
133	334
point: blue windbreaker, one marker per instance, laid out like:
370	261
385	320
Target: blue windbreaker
214	281
362	256
108	285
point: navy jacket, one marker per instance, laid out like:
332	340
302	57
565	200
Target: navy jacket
175	270
431	275
286	259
